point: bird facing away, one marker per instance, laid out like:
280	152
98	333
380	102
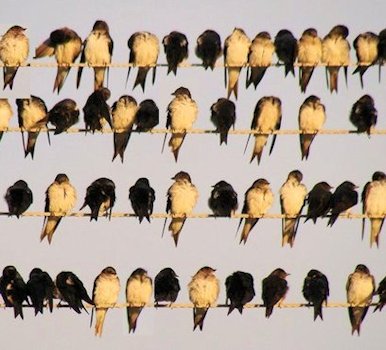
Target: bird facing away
19	198
60	200
142	197
63	115
239	290
208	48
274	290
204	289
223	199
166	286
176	50
5	115
318	201
381	51
286	47
223	117
364	114
96	110
40	289
147	115
381	291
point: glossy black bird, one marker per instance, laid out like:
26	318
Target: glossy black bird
147	115
19	198
166	286
316	291
381	50
318	201
209	48
286	47
364	114
96	110
142	198
239	290
63	115
100	197
40	289
223	117
381	291
176	50
274	290
223	199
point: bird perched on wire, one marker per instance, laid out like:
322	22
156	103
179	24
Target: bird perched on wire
274	290
364	115
144	50
176	50
223	117
63	115
19	198
286	47
96	110
166	286
147	116
318	201
381	51
239	290
381	291
142	197
223	199
41	290
14	50
66	45
97	51
208	48
5	115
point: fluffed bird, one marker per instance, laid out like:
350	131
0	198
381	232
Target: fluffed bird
239	290
208	48
381	51
381	291
223	199
176	50
63	115
223	117
147	116
96	110
286	47
19	198
142	197
274	290
5	115
318	200
166	286
41	290
364	115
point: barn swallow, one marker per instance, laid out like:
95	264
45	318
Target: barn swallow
72	291
266	119
239	290
364	114
142	197
19	198
204	289
139	288
123	118
40	289
292	199
274	290
176	50
5	115
360	288
32	116
96	110
223	199
312	116
366	47
66	45
63	115
144	50
374	204
318	201
208	48
344	197
13	290
309	56
166	286
259	58
236	49
182	198
97	52
316	291
14	49
335	54
100	197
381	291
258	200
381	51
286	47
147	116
104	295
182	113
60	200
223	117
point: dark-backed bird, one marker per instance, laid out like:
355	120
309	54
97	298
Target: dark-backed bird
142	197
381	51
239	290
318	200
381	292
208	48
96	110
176	50
147	116
63	115
286	47
166	286
41	290
19	198
274	290
5	115
223	199
364	115
223	117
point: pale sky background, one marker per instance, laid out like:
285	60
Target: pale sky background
86	248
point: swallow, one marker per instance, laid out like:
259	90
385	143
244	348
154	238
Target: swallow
19	198
13	290
5	115
292	200
223	117
259	58
204	289
144	50
258	200
318	200
336	54
309	56
142	197
97	51
286	47
274	290
166	286
236	49
312	116
100	197
147	116
360	288
182	198
208	48
344	197
223	199
60	200
364	115
182	113
316	291
374	204
381	291
63	115
66	45
14	50
123	118
104	295
381	51
72	291
366	48
266	119
139	288
32	116
239	290
40	289
176	50
96	110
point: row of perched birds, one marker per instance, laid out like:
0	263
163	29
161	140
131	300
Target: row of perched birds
203	289
182	197
182	113
310	50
